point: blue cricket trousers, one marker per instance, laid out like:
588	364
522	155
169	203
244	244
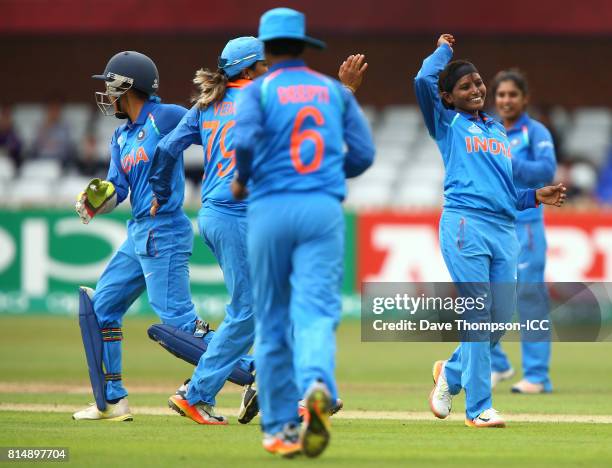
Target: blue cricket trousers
225	234
296	250
480	251
533	304
155	257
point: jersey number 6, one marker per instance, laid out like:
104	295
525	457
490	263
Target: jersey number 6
297	137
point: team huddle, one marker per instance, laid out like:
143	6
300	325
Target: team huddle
279	141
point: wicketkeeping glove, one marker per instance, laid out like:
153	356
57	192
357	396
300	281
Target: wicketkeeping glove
99	197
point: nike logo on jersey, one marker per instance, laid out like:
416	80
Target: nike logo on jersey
148	274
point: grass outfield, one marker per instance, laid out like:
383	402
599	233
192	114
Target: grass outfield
42	364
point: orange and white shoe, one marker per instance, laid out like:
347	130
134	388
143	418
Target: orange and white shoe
303	412
488	418
201	413
440	398
317	426
285	443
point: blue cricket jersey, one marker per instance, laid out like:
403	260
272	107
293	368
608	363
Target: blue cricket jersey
291	128
533	159
476	151
213	128
132	149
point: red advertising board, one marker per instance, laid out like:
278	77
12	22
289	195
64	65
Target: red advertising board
405	247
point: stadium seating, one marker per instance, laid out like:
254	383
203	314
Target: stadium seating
408	172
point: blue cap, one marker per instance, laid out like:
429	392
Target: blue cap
285	23
240	53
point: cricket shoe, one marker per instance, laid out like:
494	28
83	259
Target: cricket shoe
440	398
119	411
285	443
497	377
316	428
249	407
201	413
303	412
488	418
528	388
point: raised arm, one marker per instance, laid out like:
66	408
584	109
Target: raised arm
352	71
358	138
426	84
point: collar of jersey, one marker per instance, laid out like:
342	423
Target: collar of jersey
287	64
484	117
241	83
142	117
522	121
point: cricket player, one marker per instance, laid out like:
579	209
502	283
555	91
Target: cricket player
533	165
156	252
477	231
221	220
291	128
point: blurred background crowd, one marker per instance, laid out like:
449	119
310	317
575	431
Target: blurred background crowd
56	147
53	137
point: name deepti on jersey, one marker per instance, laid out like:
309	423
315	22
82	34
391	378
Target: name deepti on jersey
296	94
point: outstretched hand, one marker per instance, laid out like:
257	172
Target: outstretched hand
352	70
552	195
447	39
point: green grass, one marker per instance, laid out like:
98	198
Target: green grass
167	441
371	376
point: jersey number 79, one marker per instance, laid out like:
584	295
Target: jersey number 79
213	125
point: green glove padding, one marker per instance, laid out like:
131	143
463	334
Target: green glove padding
99	192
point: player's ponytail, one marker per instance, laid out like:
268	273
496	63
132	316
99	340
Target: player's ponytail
212	86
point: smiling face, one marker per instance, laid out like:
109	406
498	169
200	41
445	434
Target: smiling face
468	94
510	101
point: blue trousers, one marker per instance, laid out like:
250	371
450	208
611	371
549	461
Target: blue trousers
155	257
533	304
296	250
225	235
480	253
